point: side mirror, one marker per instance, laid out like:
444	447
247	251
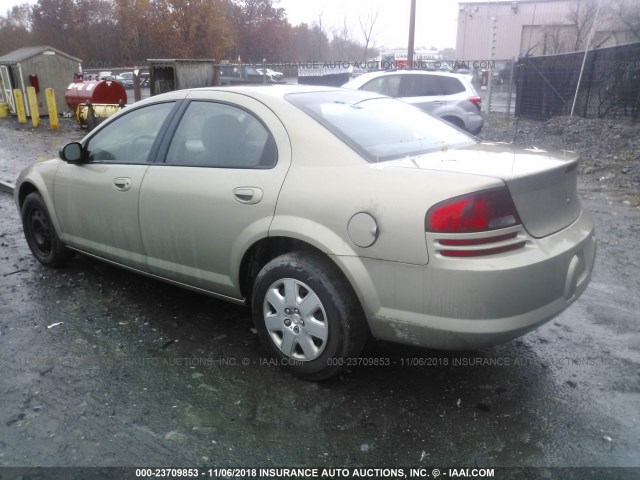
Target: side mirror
71	152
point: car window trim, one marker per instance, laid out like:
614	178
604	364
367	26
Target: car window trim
161	158
169	132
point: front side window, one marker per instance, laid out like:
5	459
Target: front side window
129	138
219	135
388	85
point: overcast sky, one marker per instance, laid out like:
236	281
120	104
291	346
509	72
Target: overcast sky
435	19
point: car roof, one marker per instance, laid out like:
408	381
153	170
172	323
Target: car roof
264	91
362	79
269	94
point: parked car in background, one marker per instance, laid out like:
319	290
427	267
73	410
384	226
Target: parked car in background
127	79
444	95
504	71
466	73
335	214
272	75
110	76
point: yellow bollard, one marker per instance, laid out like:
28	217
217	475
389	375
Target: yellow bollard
33	106
22	114
51	107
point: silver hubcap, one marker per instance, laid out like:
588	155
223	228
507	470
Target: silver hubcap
295	319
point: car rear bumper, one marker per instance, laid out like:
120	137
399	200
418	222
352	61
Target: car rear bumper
473	122
458	304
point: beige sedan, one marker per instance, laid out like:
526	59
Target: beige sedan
334	214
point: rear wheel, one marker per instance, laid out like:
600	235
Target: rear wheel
307	316
40	233
455	121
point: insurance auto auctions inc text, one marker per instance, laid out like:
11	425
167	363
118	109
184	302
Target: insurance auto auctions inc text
374	472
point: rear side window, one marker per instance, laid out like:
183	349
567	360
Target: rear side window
380	128
451	86
219	135
422	86
388	85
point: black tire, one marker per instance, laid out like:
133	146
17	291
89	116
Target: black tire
41	234
336	315
455	121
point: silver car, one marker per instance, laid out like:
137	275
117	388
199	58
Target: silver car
272	75
335	214
448	96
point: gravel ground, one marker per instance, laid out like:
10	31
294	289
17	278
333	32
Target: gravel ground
102	367
21	145
609	149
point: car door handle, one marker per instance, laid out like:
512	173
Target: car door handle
122	183
248	195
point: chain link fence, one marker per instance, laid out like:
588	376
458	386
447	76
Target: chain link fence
500	96
609	88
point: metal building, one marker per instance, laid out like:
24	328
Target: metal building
39	67
527	27
176	74
171	74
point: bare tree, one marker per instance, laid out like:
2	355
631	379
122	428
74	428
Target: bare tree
15	28
106	33
553	41
320	36
626	14
367	26
581	16
343	40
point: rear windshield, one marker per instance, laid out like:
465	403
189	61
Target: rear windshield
379	128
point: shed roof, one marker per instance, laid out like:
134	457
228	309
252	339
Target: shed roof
22	54
157	61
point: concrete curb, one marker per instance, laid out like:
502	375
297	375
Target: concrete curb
6	187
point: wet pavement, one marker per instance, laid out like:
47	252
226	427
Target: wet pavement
102	367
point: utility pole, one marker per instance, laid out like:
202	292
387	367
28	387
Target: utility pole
412	32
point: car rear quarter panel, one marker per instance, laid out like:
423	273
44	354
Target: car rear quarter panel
329	182
320	195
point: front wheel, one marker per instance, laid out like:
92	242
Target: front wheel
40	233
307	315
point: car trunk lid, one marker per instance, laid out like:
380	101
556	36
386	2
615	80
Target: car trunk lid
543	184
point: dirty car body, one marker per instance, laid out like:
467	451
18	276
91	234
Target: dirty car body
335	214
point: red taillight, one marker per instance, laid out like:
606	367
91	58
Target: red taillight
476	101
478	212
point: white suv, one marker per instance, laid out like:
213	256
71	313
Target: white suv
446	95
